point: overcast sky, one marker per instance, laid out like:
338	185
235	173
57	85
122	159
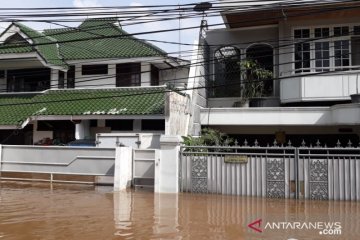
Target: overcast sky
187	36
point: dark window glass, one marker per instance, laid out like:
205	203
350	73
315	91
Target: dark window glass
357	30
342	57
227	73
355	51
28	80
302	33
153	125
93	123
154	76
297	33
61	79
341	31
71	77
128	74
322	32
94	69
120	125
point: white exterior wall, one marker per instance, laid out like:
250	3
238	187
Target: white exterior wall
94	81
178	77
39	135
145	74
346	114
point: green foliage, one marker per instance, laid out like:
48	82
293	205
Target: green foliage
209	137
253	76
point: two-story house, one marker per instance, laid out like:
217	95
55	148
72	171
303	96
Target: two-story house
313	52
74	82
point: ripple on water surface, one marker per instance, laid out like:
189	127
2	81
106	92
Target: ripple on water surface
43	211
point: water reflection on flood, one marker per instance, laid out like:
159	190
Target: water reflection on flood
36	211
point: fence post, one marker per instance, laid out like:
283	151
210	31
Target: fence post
167	168
123	168
296	171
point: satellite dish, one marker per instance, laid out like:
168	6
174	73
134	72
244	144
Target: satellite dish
202	7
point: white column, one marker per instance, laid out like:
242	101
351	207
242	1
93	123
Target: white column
111	81
54	78
137	125
167	166
123	168
145	74
82	130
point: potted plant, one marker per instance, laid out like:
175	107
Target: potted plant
253	78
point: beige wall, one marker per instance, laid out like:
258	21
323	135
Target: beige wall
177	114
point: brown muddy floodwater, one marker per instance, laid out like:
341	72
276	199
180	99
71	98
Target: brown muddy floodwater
43	211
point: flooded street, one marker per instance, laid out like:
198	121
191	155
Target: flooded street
41	211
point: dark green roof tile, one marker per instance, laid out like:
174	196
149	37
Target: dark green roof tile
15	109
93	39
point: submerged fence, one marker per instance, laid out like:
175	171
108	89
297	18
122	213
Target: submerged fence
274	172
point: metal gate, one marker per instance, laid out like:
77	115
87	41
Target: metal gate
274	172
144	167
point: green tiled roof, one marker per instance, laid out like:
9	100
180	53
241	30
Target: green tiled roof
15	109
49	51
93	39
112	46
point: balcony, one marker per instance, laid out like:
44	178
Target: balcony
334	86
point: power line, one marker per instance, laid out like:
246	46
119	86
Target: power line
188	28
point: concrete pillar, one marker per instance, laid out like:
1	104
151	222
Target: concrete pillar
145	74
54	78
101	123
82	129
167	166
137	125
111	81
123	168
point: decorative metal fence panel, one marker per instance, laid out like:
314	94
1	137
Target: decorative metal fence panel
262	172
329	173
275	172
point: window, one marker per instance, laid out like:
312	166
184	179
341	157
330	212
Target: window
322	49
154	76
153	125
2	74
341	31
322	56
120	125
326	48
302	50
342	56
128	74
227	73
356	30
355	51
61	79
71	77
94	69
28	80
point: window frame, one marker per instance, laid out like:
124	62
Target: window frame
331	41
